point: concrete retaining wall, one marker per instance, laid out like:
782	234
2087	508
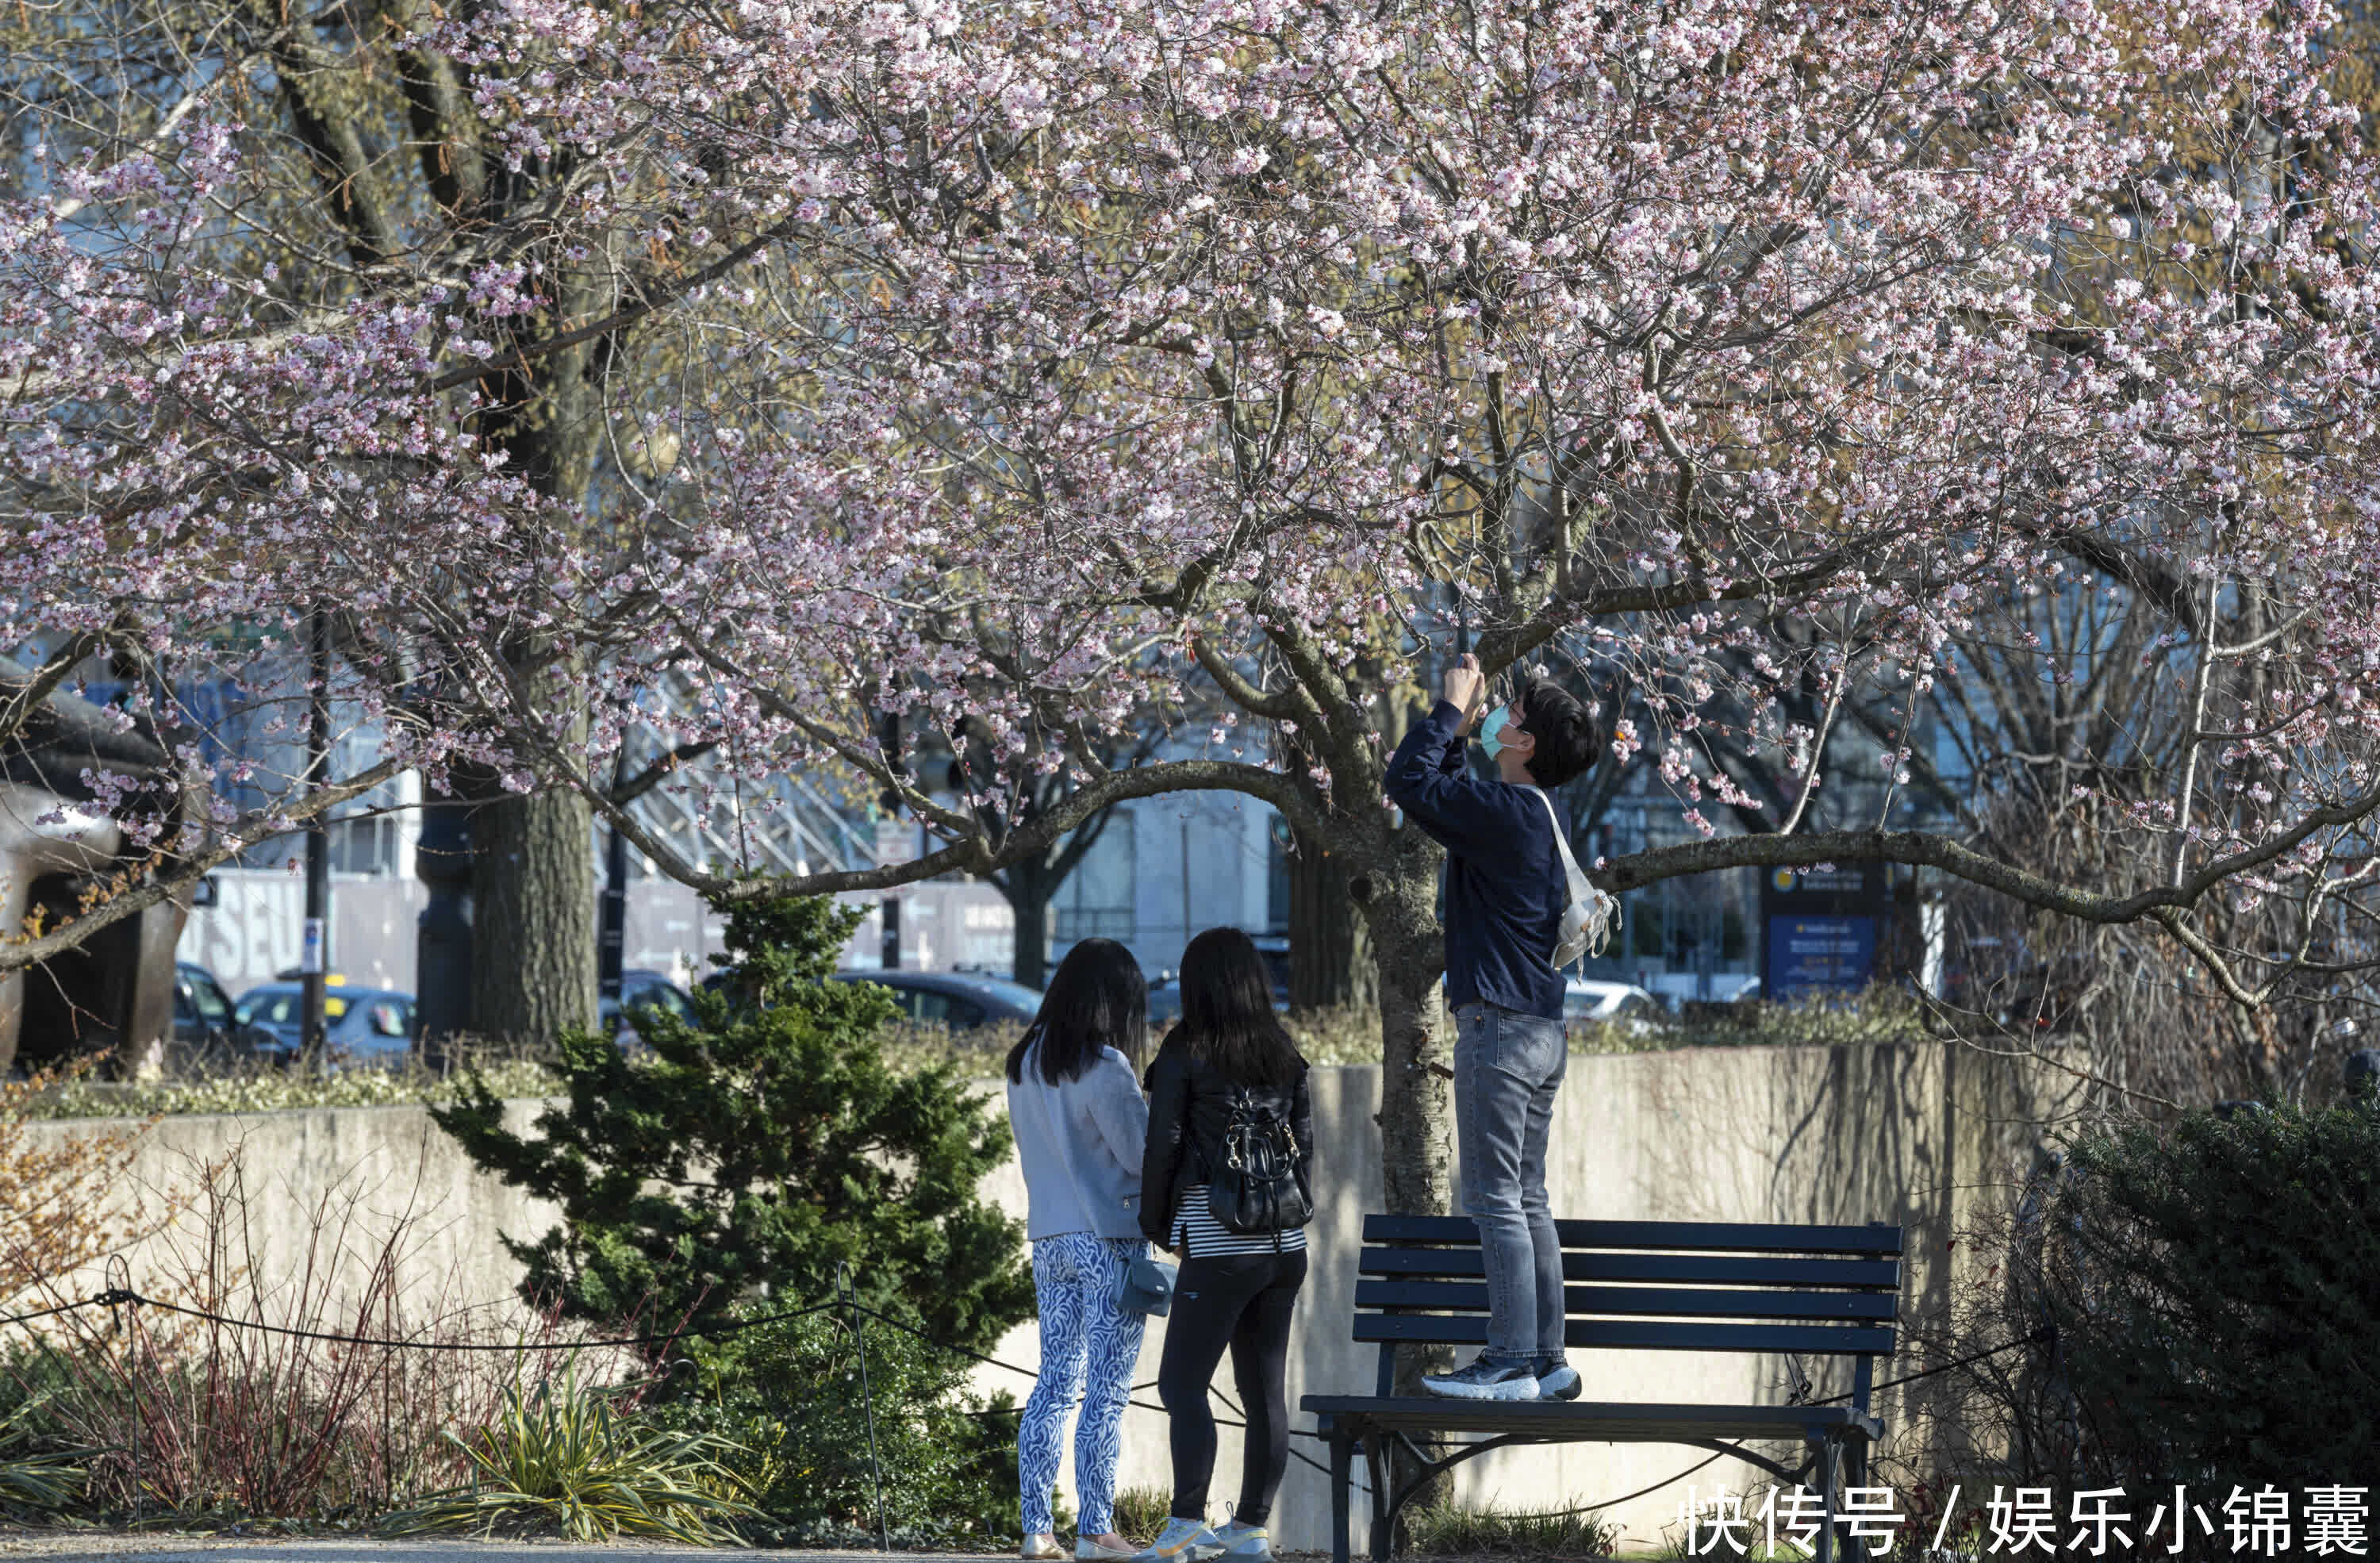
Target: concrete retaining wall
1921	1135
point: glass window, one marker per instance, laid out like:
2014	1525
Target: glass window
270	1008
663	997
387	1018
210	1000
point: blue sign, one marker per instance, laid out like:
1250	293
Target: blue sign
1818	954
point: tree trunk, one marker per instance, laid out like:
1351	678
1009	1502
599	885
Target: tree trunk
1416	1098
533	917
1029	891
533	856
1329	948
1417	1081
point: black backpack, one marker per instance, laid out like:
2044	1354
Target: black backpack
1256	1188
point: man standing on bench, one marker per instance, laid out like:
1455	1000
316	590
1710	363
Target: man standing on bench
1506	891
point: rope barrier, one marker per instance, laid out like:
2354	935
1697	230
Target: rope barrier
117	1297
124	1296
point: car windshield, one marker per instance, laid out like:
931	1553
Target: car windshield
283	1007
1582	1003
268	1009
1014	993
661	996
209	999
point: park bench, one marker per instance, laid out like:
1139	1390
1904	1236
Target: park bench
1674	1285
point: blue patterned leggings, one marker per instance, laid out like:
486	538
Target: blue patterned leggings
1074	1277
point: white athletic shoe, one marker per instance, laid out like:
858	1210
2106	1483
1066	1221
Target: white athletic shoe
1181	1540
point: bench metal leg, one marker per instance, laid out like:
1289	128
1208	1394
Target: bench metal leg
1829	1459
1377	1467
1342	1483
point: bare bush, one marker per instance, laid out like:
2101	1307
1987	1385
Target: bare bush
234	1396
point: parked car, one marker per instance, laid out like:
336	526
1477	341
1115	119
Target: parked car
204	1025
376	1025
1274	949
953	998
639	988
1587	1001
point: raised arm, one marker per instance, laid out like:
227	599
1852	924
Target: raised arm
1427	779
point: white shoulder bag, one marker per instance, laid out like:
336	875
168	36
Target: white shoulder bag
1590	918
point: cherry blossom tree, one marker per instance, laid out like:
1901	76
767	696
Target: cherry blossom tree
1743	353
1003	366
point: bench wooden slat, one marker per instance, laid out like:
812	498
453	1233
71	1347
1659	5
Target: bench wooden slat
1726	1236
1631	1334
1698	1302
1656	1286
1588	1421
1882	1275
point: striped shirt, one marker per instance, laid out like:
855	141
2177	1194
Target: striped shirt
1197	1235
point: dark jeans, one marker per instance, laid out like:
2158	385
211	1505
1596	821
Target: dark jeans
1508	1069
1242	1301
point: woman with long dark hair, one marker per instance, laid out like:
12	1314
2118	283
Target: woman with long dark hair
1227	1082
1075	1108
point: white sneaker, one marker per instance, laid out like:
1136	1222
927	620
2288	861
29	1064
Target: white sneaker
1246	1541
1181	1540
1483	1380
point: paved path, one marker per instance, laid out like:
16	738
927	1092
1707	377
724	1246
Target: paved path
66	1547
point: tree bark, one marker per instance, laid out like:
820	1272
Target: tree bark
1329	948
1416	1114
533	924
1028	887
533	967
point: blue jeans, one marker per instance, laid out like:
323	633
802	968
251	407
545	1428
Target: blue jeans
1507	1068
1086	1342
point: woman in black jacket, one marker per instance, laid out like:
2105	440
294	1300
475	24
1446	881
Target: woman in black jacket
1237	1289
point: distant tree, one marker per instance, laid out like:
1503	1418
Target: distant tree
761	1144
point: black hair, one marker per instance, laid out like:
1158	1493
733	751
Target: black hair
1227	1017
1097	999
1564	732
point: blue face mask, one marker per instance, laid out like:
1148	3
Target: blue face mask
1491	731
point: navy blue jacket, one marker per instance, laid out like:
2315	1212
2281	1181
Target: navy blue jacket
1505	889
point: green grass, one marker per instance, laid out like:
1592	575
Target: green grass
1459	1531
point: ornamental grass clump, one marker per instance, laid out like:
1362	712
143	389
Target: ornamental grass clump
565	1459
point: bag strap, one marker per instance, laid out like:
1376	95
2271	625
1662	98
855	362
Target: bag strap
1602	911
1579	888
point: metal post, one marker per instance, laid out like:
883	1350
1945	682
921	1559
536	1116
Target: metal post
859	1334
119	1282
315	962
611	940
